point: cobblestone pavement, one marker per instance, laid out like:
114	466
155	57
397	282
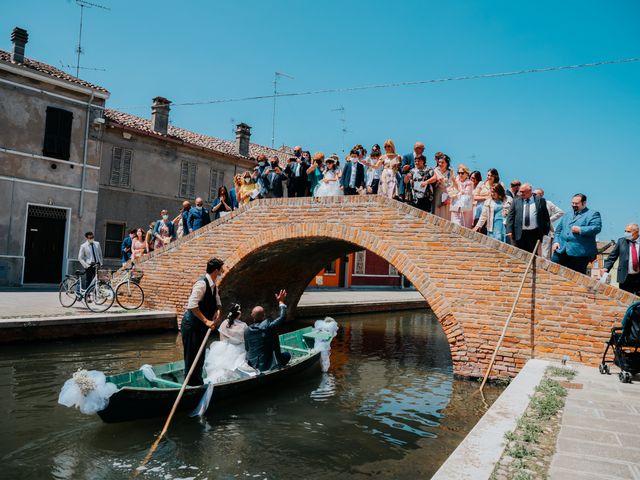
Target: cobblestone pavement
27	303
600	433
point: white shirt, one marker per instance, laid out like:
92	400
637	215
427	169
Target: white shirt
633	244
198	291
533	220
555	214
88	255
354	170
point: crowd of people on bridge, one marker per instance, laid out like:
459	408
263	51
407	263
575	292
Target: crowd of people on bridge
518	214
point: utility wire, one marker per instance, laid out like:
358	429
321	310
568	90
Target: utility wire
403	84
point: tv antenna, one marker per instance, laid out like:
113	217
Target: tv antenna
84	4
343	123
275	96
65	66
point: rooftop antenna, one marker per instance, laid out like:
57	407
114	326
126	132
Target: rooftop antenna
84	4
65	66
233	127
275	95
343	122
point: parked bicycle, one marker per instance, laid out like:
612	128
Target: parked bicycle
98	296
129	293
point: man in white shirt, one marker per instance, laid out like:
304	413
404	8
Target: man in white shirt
90	257
203	312
555	214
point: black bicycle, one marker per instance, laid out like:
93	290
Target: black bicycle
98	296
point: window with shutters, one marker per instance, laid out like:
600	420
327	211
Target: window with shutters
188	179
359	263
121	167
57	133
217	180
113	240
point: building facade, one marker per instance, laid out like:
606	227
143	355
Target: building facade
149	165
360	269
49	166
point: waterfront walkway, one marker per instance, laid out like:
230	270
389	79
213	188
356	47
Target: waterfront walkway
600	433
37	315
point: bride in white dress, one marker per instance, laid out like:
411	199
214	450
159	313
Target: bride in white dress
329	186
226	360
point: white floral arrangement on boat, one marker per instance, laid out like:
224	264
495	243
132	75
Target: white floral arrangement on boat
330	326
87	390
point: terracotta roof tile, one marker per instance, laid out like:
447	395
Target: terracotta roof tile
50	70
214	144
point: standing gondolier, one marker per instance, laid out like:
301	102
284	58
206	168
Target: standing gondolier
202	312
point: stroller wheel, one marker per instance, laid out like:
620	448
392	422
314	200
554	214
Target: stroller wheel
625	377
604	369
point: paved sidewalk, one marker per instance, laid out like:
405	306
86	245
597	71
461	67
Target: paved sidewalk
600	432
28	304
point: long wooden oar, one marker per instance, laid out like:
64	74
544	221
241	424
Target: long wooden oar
174	408
513	309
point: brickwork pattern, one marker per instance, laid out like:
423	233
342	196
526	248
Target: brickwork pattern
468	279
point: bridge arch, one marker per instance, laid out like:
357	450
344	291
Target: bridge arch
468	279
289	257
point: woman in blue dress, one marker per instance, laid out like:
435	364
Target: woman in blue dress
494	213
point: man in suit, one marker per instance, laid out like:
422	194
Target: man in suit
90	257
627	249
272	179
296	173
409	160
528	219
199	216
575	238
125	248
514	189
261	339
353	174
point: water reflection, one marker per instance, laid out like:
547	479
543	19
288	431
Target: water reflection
390	392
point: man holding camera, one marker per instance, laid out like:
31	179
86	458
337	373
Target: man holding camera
203	312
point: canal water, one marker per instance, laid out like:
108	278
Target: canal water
389	407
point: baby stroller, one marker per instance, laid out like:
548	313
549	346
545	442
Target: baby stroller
625	337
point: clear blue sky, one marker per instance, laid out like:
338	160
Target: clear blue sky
571	131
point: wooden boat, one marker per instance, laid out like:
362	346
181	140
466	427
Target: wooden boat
139	398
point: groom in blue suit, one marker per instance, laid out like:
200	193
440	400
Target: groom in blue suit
261	338
575	236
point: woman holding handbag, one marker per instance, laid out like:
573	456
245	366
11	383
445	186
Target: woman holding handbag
462	198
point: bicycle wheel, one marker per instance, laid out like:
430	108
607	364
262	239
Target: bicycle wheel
129	295
99	297
67	293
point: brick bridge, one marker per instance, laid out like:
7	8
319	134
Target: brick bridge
468	279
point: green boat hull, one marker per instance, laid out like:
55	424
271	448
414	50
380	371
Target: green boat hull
139	398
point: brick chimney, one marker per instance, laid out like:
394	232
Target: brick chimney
19	38
160	115
243	138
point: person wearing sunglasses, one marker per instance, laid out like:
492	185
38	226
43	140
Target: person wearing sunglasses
462	198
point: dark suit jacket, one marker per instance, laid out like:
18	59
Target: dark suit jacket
346	175
262	343
288	171
516	215
273	185
621	251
